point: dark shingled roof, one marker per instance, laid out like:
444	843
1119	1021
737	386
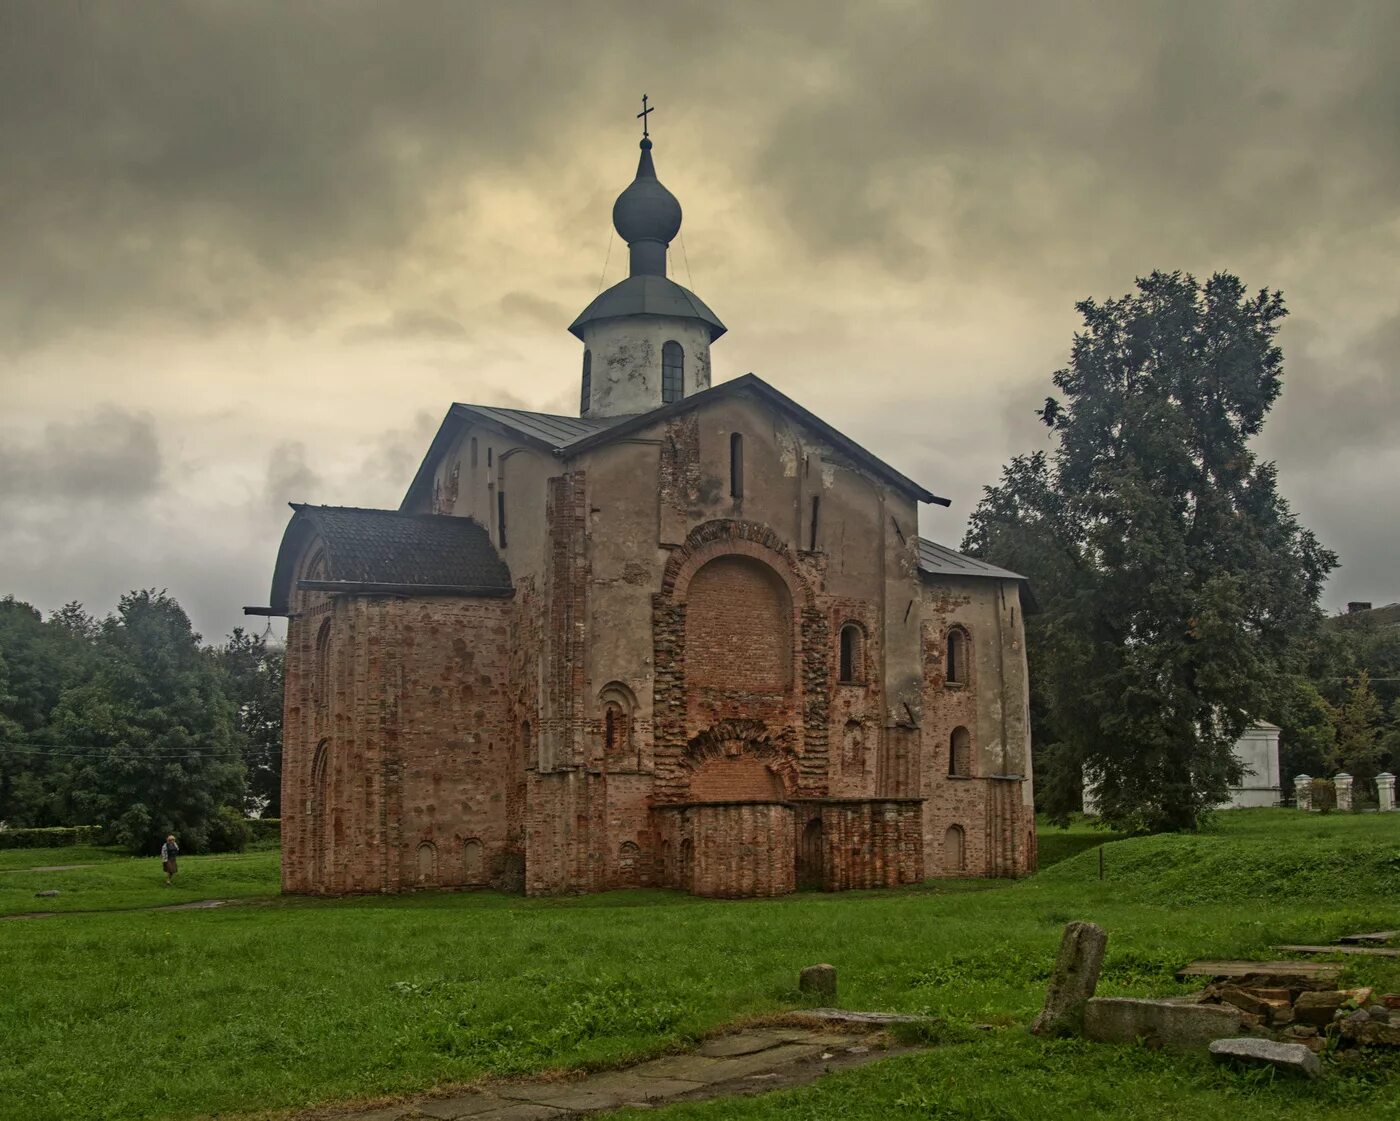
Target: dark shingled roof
439	553
648	295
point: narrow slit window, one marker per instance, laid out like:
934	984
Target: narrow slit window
501	517
586	396
736	465
473	451
816	513
850	660
957	657
672	373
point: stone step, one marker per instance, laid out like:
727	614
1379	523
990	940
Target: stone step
1372	951
1366	939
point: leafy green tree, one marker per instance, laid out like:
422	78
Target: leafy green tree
151	732
253	675
1175	581
1359	720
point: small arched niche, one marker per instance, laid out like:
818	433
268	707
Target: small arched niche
960	753
427	863
619	709
851	655
958	667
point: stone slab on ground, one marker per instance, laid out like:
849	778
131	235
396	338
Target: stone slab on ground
841	1016
1121	1019
1318	1008
1372	951
752	1061
1324	971
1371	1032
1293	1058
1371	937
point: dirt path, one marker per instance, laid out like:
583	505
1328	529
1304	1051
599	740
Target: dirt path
751	1061
196	905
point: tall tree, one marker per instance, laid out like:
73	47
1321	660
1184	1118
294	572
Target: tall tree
150	735
253	674
1174	578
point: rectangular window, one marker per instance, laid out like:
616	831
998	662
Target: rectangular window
501	517
816	511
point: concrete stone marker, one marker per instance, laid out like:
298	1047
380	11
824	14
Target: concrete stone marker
1120	1019
45	894
1293	1058
1073	979
818	980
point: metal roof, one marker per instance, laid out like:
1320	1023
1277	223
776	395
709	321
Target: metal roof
556	431
648	294
939	560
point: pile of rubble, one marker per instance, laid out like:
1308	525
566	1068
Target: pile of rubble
1296	1010
1278	1013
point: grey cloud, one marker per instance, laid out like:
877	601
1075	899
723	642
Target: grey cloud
289	476
111	456
415	323
535	309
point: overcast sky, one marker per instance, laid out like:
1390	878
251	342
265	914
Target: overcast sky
250	253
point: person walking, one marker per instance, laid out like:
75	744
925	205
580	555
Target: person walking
168	854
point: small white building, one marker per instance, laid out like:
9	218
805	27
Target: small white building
1257	751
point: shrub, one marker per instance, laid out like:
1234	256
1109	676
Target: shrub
265	828
56	837
1324	795
228	831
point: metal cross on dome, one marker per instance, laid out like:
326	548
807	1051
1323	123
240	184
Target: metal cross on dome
643	116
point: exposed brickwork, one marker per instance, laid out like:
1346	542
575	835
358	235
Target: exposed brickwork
664	710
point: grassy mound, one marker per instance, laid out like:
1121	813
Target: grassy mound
1250	854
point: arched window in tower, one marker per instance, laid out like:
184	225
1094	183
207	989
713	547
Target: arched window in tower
736	465
958	650
586	397
852	655
960	753
321	682
672	373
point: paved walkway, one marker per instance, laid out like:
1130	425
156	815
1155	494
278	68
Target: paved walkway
747	1062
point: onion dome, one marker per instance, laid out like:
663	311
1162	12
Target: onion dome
647	216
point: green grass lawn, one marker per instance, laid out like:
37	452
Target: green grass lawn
117	881
178	1014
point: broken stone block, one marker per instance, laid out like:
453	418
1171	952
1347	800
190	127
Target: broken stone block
1370	1032
1318	1008
45	894
1391	1000
1379	1012
1294	1058
818	980
1119	1019
1073	979
1244	1000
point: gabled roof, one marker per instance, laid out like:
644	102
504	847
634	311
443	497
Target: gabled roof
939	560
366	550
566	436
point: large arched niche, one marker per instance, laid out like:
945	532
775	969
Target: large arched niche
739	627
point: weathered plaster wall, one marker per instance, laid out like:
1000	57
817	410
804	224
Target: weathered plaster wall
626	361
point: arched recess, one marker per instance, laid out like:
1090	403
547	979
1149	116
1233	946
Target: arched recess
321	673
954	850
737	761
957	669
629	864
617	724
427	863
960	753
318	809
739	627
853	747
473	861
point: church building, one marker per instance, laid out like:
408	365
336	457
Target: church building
688	638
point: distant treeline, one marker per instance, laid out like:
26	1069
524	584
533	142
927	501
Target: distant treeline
131	725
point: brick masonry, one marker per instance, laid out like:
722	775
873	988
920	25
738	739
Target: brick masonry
454	742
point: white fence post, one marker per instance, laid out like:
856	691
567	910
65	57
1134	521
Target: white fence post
1385	790
1343	784
1302	791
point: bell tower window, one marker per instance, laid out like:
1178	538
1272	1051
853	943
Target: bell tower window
672	373
586	397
